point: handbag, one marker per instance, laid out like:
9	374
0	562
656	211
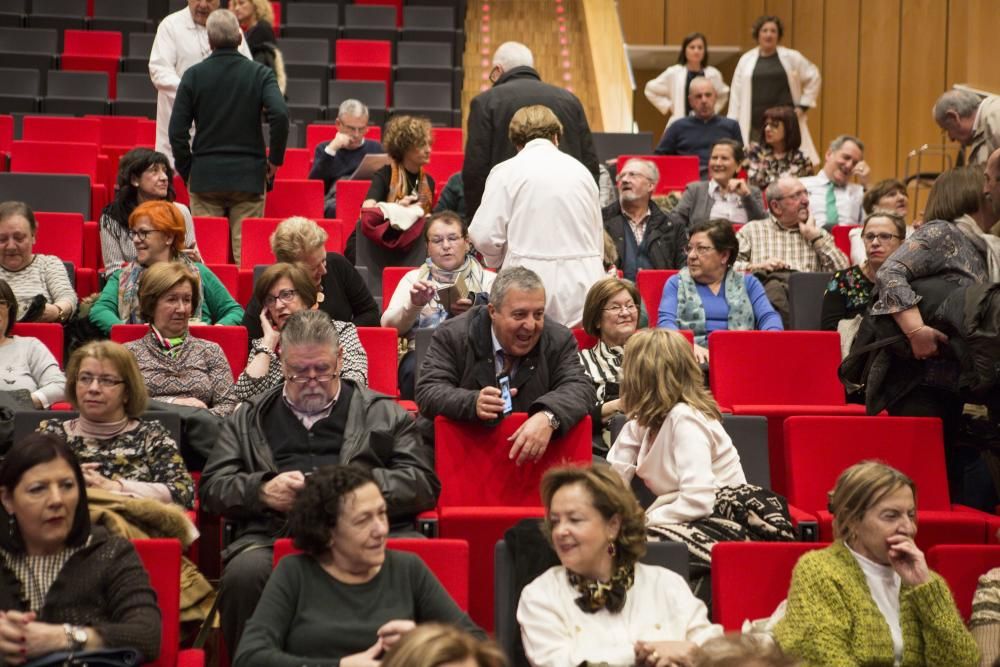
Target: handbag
109	657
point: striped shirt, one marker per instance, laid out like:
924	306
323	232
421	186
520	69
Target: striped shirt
37	573
603	365
763	239
45	275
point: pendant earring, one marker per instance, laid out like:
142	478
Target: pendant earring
12	524
612	550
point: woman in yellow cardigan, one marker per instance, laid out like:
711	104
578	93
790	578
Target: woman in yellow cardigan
868	598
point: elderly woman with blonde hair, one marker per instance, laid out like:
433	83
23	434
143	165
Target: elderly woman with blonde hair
342	293
869	598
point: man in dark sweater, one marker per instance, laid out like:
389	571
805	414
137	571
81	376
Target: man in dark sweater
227	167
269	445
341	156
695	134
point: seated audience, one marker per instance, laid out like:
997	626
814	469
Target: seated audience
600	605
833	199
850	292
869	598
40	283
118	450
143	175
709	295
778	151
28	370
611	314
644	236
271	443
285	289
887	195
157	230
346	598
985	621
510	336
669	91
972	120
427	296
256	18
176	366
723	196
341	291
542	183
676	444
68	587
341	156
440	645
695	134
742	650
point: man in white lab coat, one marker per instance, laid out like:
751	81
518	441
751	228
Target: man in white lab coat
541	210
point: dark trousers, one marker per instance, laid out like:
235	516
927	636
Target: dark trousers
243	580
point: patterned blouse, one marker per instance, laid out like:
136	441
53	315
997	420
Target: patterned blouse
762	167
147	453
848	294
355	366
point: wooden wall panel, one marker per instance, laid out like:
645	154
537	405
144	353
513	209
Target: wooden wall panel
643	21
806	36
878	85
958	42
723	21
839	71
978	23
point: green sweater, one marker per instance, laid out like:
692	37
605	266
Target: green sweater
833	621
218	307
306	617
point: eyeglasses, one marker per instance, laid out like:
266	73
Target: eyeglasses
305	379
621	308
883	237
140	234
344	127
86	379
451	238
701	250
285	296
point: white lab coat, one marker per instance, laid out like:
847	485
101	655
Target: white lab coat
179	44
666	92
803	82
541	210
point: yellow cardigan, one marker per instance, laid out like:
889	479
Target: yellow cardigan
832	619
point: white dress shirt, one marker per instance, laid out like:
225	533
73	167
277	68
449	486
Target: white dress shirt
849	198
726	205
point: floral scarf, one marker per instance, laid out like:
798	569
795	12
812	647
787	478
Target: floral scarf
596	595
129	311
434	313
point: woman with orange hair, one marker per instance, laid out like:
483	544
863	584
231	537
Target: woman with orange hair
157	231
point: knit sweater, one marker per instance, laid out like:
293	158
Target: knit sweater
985	621
45	275
832	619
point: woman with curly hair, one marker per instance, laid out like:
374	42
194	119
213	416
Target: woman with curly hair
601	605
346	598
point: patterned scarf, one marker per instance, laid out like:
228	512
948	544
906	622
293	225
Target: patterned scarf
691	312
169	347
471	272
128	290
596	595
399	187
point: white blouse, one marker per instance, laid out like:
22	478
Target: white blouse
658	607
683	463
884	584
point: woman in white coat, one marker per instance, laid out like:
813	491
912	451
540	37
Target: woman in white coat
669	91
769	76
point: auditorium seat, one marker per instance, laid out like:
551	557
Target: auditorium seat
365	60
50	192
305	99
125	16
432	100
961	565
443	164
350	196
54	157
65	236
136	95
391	277
373	94
370	21
584	341
59	15
21	90
93	51
34	48
818	449
676	171
12	13
311	20
777	374
50	333
256	239
62	129
650	284
228	274
295	197
750	579
382	348
609	145
139	47
424	61
212	235
447	139
296	166
428	24
841	237
306	58
805	299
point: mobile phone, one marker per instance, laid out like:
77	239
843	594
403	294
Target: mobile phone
504	383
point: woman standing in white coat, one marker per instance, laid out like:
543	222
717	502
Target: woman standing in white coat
769	76
669	91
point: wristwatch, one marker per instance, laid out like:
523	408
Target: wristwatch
76	636
553	420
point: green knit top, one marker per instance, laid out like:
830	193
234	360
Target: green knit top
832	619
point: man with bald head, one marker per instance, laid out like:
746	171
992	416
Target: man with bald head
695	134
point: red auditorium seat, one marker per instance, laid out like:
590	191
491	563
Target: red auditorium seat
447	559
584	341
777	374
381	346
181	191
61	128
818	449
295	197
232	339
480	507
212	234
841	237
276	9
162	560
961	565
443	164
676	171
256	239
750	579
93	51
122	131
350	196
365	60
324	132
228	274
65	235
446	139
50	333
650	284
297	163
60	157
391	277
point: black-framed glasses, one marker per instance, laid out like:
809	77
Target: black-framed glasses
285	296
140	234
86	379
883	237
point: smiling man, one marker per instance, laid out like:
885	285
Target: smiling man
833	199
269	445
468	353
